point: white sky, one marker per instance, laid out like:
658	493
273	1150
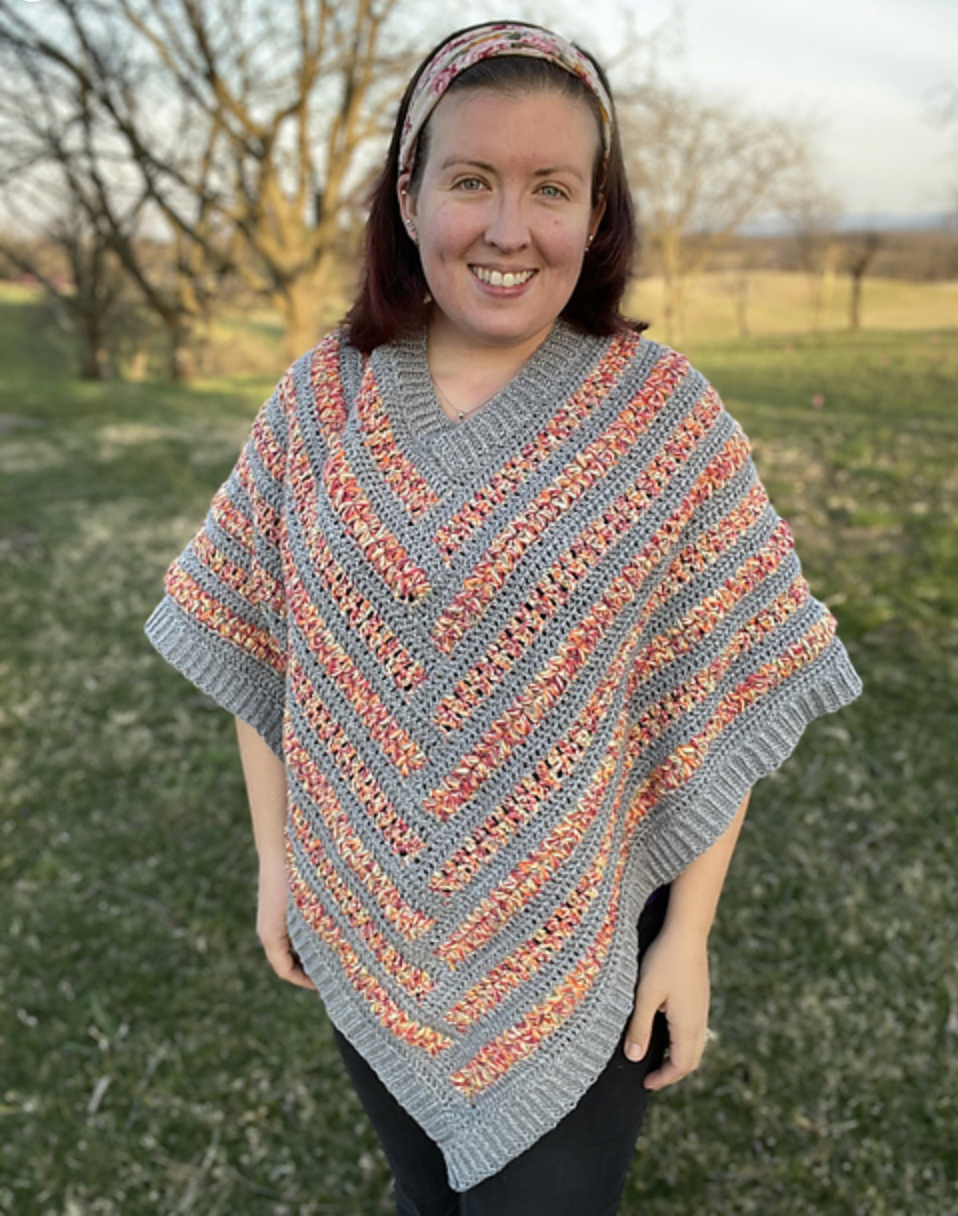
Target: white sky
864	69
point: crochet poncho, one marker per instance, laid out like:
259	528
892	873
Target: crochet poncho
522	671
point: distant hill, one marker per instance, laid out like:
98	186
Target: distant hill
909	248
877	221
888	222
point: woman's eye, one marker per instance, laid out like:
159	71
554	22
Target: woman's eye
552	191
469	183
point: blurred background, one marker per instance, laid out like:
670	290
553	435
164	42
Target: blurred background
182	196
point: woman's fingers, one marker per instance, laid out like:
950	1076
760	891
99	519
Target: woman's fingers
292	972
639	1031
286	964
685	1055
673	980
271	924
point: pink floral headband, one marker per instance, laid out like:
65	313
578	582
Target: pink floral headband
487	42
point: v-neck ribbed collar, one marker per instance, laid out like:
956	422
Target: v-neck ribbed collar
463	449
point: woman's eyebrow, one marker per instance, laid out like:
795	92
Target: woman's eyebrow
451	161
547	171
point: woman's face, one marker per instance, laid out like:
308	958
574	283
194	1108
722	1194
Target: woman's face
503	211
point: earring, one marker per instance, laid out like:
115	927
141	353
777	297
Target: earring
588	244
410	224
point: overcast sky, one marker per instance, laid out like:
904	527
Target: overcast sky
866	69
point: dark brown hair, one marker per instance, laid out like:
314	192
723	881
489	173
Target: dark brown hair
393	295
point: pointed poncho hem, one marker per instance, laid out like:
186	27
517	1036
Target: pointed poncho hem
660	853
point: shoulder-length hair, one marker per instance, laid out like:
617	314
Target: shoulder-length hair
393	296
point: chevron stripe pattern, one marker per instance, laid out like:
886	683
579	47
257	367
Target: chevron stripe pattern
521	670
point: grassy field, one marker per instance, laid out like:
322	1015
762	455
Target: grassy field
782	304
149	1063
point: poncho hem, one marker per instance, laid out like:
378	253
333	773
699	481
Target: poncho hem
236	682
658	857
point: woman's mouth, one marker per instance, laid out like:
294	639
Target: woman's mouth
502	278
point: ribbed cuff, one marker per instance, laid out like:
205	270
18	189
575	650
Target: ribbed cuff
232	678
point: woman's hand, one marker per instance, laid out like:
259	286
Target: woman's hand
271	923
674	970
673	978
266	786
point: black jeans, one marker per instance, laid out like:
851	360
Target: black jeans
577	1169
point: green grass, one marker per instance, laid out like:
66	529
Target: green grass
151	1065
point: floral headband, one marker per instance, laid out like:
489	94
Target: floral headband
487	42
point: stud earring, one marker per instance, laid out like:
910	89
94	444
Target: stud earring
410	224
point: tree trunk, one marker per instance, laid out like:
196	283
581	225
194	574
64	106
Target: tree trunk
300	304
673	288
855	300
741	287
823	288
858	266
673	292
91	347
180	364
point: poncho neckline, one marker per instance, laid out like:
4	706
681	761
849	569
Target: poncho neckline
459	452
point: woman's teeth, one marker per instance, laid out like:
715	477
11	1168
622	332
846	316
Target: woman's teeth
496	278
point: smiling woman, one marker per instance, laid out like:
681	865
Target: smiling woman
503	213
510	628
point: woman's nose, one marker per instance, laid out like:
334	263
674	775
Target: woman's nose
507	228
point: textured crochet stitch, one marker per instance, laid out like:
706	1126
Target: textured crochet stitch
522	671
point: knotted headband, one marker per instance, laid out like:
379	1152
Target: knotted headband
487	42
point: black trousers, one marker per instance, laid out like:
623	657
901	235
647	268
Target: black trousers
577	1169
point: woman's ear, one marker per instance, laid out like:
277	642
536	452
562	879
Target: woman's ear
597	213
407	201
407	206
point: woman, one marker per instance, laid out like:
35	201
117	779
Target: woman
510	629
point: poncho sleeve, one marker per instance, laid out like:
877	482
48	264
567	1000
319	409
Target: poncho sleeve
737	656
222	621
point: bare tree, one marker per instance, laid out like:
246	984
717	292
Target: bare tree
66	180
859	256
86	298
738	286
245	123
702	169
944	114
57	231
812	215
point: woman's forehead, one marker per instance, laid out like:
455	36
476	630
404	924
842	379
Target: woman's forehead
544	124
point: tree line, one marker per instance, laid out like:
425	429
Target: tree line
170	153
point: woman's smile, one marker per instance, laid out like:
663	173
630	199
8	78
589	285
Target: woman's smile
502	278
